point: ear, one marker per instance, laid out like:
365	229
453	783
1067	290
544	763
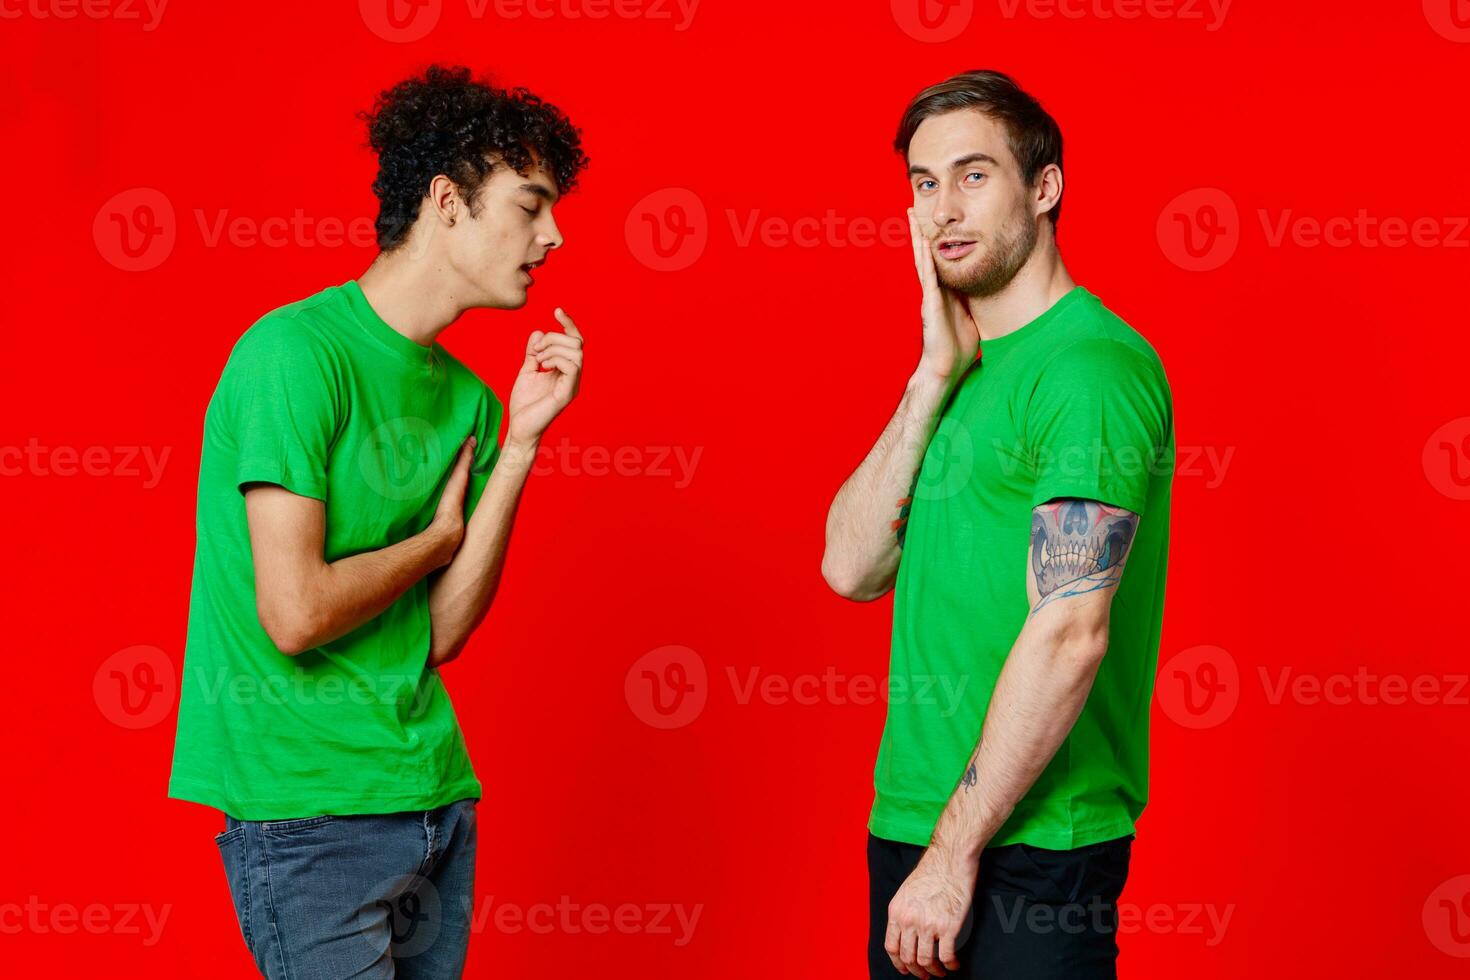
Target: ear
445	201
1048	189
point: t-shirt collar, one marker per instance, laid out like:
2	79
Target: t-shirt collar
405	348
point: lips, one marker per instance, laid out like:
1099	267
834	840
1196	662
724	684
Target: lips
955	248
526	270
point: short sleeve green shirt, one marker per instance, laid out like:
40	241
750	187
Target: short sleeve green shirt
1073	404
325	399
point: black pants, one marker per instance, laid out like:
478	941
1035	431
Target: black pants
1038	914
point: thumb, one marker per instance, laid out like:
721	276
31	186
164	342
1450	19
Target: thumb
461	475
530	361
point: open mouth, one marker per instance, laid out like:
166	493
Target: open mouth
526	270
955	248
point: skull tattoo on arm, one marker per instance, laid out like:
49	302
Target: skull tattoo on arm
1078	546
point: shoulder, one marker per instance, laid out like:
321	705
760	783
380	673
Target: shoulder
463	377
295	334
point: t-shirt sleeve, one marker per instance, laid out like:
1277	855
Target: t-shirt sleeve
281	406
1097	424
487	448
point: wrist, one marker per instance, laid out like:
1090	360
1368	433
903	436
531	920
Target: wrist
519	451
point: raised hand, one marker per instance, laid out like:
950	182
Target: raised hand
951	338
538	395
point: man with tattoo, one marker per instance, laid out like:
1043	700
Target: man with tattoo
354	513
1028	465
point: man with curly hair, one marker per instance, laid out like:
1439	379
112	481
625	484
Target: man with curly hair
353	515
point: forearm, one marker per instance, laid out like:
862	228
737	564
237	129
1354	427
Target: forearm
865	522
1037	699
463	592
348	592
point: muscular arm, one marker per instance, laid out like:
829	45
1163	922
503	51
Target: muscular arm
1078	548
302	600
865	524
1076	557
460	596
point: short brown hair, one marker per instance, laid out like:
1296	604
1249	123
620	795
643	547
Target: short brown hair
1035	138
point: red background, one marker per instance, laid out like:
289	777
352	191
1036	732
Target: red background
1329	545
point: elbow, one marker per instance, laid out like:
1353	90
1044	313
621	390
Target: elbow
1084	646
847	582
288	628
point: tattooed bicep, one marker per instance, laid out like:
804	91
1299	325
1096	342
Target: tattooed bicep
1077	546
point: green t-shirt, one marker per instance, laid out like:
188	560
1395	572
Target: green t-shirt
1073	404
325	399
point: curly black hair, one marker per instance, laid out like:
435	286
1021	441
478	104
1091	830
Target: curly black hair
445	122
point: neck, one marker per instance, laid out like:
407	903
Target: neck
1038	284
416	298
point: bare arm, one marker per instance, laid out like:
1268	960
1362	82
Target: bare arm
302	600
1078	549
865	524
460	597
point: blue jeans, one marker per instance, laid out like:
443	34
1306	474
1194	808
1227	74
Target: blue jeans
337	897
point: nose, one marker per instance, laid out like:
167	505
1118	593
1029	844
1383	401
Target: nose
947	209
550	236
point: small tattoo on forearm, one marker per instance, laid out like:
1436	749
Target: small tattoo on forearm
970	778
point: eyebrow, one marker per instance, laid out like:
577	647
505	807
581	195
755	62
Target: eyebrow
963	161
540	190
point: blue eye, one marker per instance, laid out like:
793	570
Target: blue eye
924	183
973	173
